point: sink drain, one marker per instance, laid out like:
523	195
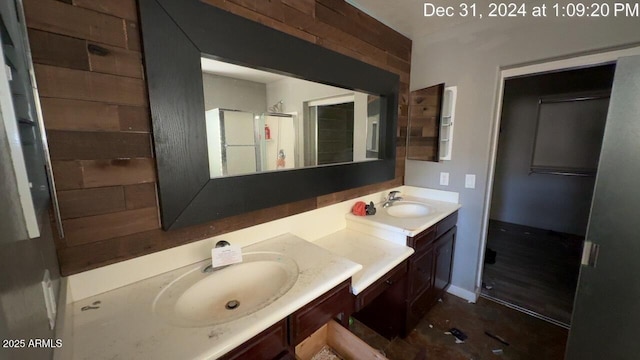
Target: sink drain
233	304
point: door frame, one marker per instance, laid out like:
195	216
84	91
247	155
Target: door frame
576	62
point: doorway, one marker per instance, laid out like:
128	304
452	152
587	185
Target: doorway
547	153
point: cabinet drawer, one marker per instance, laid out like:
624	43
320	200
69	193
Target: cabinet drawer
267	345
446	224
423	239
340	340
381	285
421	272
337	302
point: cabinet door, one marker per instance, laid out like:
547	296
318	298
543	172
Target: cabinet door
335	303
421	272
443	256
267	345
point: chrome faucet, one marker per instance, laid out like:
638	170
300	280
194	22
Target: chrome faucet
391	198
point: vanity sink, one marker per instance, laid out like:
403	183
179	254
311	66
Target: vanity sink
202	297
408	209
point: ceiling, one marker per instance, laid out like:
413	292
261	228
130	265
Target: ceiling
407	16
215	67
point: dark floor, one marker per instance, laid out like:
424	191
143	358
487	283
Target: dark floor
535	269
528	337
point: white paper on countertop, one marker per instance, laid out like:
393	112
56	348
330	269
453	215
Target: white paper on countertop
227	255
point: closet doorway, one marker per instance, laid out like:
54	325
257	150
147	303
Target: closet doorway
549	143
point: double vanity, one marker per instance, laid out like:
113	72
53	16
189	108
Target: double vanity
387	270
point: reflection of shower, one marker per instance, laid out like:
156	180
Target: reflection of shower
283	141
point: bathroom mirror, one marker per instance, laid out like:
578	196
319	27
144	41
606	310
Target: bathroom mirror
176	35
260	121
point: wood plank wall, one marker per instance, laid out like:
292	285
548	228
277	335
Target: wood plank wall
90	75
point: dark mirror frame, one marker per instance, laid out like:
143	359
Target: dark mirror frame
175	34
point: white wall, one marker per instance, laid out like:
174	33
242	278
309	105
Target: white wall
470	56
233	94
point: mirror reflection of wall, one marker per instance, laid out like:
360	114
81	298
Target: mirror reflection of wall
260	121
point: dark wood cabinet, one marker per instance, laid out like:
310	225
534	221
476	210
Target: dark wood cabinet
268	345
279	341
443	259
397	310
389	280
334	304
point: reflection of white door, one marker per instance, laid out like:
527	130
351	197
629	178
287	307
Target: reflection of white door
231	143
239	142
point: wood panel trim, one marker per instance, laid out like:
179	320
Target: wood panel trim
83	145
101	227
74	84
89	202
81	174
66	19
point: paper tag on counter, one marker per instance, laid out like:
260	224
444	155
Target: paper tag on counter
226	255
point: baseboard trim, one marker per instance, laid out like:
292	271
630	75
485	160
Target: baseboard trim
465	294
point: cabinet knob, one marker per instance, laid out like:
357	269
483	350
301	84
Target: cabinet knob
389	282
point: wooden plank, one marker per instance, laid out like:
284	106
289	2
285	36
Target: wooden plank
98	173
133	35
125	9
67	174
100	227
134	118
66	114
310	346
325	33
367	33
306	6
78	174
53	49
83	85
260	18
272	9
348	345
88	202
60	18
83	145
114	60
90	255
397	63
140	196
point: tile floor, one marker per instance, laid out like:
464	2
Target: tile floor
528	337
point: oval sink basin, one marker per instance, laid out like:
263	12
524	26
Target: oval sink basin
408	209
199	298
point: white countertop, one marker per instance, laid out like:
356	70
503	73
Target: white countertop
403	226
124	327
377	256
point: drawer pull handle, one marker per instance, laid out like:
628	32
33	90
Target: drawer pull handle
97	50
389	282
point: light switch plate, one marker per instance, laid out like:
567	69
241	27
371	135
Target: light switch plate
470	181
444	178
